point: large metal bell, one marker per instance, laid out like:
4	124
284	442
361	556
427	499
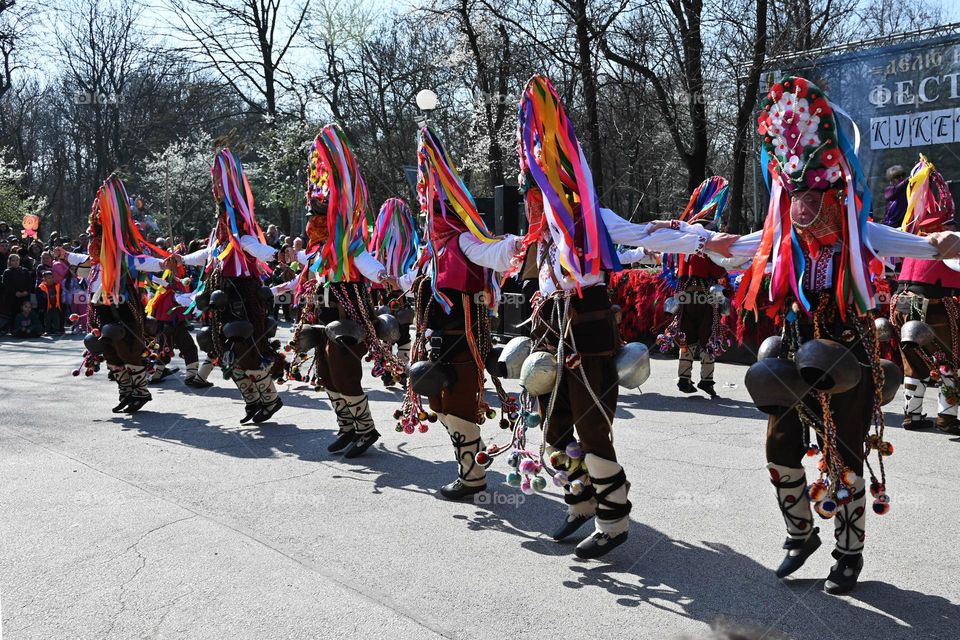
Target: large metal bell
884	329
202	300
513	355
633	365
382	309
237	330
405	315
388	329
827	365
93	344
345	332
265	295
892	379
151	326
671	305
113	332
538	375
492	364
915	333
219	299
272	326
770	347
205	339
775	385
430	378
311	337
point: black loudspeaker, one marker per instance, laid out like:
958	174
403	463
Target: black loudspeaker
486	209
954	186
507	206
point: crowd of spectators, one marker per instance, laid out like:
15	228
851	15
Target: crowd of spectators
38	294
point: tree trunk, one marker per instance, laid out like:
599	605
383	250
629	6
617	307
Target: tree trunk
589	80
744	129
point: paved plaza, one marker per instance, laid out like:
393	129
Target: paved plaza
180	523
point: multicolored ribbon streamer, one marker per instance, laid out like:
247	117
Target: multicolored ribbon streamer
395	241
232	189
120	240
334	177
439	184
551	157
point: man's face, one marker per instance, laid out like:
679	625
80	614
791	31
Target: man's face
4	247
48	279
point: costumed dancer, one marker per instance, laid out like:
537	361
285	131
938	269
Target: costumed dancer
824	372
573	320
168	305
338	270
454	300
237	331
700	284
928	292
396	244
116	311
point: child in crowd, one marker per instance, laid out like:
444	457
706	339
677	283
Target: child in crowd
27	323
52	293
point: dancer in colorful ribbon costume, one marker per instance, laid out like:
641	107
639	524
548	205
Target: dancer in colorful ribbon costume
572	315
396	244
824	372
338	270
116	311
928	292
168	305
455	294
700	300
238	331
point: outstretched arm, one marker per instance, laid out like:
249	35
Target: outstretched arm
491	255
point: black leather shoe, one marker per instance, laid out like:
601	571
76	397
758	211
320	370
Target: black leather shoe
135	404
361	443
343	440
916	423
252	410
123	404
166	373
797	553
707	387
843	576
570	527
686	386
266	411
599	544
456	490
197	382
948	424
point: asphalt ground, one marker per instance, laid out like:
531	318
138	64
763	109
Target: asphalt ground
180	523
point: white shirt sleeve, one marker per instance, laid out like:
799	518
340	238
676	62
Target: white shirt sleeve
491	255
283	287
257	249
632	256
197	258
888	242
77	258
148	263
684	240
406	280
303	257
369	266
